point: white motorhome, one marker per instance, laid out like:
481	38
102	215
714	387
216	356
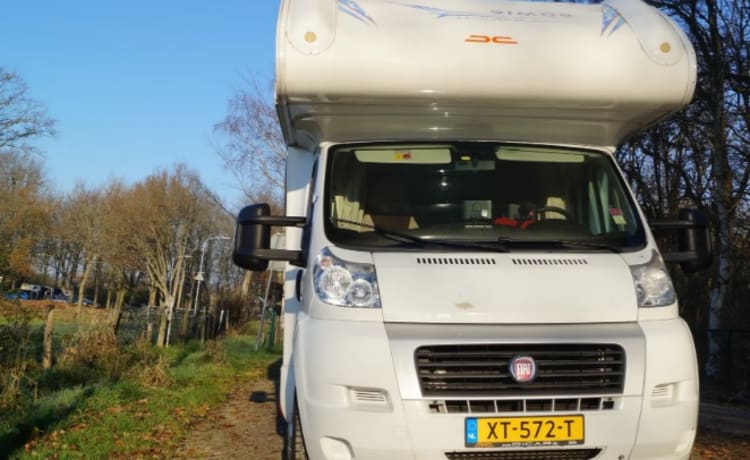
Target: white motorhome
469	275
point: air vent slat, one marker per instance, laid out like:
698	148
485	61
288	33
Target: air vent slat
455	261
496	364
597	384
548	261
492	374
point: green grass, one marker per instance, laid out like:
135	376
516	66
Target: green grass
127	419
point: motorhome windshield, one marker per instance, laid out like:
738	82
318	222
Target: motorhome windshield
484	193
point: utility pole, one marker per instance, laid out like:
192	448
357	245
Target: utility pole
199	277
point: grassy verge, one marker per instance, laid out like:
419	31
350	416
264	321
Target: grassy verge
143	413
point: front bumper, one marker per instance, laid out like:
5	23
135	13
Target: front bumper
359	396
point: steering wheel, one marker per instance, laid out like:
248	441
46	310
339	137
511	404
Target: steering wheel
556	209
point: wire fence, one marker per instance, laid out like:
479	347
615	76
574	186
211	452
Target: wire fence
186	324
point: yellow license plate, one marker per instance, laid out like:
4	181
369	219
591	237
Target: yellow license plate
563	430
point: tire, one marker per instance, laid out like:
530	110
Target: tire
294	442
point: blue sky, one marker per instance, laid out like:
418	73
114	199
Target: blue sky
136	86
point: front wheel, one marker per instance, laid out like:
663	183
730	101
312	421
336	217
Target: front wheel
295	441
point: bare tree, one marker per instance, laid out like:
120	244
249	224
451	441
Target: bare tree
22	119
252	146
84	225
164	217
124	262
24	212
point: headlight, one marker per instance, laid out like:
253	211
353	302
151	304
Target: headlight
346	284
653	285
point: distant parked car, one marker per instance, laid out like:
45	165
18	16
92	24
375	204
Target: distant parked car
18	295
59	297
86	301
34	291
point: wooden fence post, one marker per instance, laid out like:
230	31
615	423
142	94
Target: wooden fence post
49	329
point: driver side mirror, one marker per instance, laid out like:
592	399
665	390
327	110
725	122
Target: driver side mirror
252	238
694	249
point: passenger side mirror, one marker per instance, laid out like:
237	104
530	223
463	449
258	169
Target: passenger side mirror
252	239
694	249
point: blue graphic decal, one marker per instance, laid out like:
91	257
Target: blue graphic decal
441	13
497	15
610	16
619	23
472	432
351	8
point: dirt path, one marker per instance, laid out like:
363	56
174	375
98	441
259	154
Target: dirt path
243	428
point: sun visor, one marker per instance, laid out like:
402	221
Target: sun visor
432	155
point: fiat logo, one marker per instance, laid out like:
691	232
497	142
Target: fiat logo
523	368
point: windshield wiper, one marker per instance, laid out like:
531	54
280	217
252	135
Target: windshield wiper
390	234
561	244
395	235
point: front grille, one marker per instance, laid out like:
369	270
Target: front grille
517	406
551	454
482	370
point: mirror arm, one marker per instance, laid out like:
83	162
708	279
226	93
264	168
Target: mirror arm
679	257
293	257
667	225
281	221
278	254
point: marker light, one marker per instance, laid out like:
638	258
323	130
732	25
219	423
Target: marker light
653	285
345	284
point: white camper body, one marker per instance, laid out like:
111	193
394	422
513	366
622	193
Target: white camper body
464	333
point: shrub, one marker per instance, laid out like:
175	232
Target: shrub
94	349
16	353
148	366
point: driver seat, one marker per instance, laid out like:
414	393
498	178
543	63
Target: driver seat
556	202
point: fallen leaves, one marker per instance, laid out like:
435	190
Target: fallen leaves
201	410
710	445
